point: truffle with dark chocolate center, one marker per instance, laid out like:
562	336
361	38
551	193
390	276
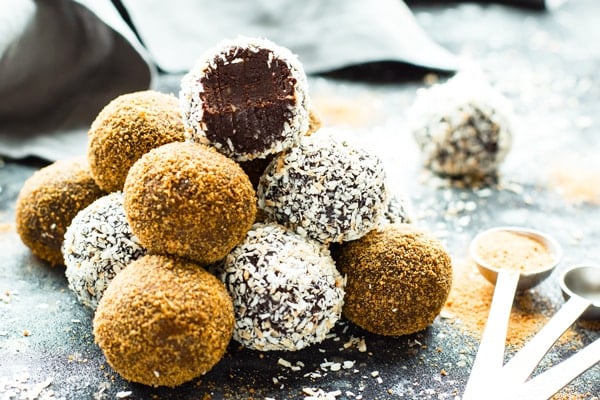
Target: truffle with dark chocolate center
247	98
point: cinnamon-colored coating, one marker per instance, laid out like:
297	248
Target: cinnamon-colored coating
188	200
127	128
47	203
163	321
398	279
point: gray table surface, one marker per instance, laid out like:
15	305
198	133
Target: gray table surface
545	63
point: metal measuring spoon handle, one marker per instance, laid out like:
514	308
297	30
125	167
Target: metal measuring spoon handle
546	384
518	369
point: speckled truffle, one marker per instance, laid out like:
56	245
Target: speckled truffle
463	127
398	211
247	97
287	293
47	203
398	279
98	244
127	128
163	321
188	200
325	189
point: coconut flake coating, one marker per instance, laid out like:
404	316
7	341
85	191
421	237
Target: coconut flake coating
98	244
325	189
247	97
127	128
398	279
463	127
47	203
188	200
287	293
163	321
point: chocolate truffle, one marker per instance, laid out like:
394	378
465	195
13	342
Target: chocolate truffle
398	211
325	189
186	199
462	127
398	279
287	293
47	203
163	321
127	128
247	97
98	244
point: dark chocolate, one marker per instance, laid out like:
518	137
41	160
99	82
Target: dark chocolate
247	99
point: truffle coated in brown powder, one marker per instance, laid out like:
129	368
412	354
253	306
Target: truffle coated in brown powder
47	203
163	321
188	200
127	128
398	279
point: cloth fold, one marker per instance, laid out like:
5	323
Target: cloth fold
61	61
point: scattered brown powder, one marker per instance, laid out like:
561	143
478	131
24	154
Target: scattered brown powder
515	251
470	298
6	227
339	111
577	180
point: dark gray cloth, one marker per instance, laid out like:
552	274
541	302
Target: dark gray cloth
61	61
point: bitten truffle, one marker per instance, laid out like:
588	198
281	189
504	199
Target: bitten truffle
127	128
325	189
98	244
462	127
47	203
247	97
398	279
163	321
188	200
287	293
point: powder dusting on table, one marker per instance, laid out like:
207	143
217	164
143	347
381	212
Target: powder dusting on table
577	181
469	303
515	251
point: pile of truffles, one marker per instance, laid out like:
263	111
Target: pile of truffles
236	178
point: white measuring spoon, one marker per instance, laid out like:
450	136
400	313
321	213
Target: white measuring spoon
581	287
490	355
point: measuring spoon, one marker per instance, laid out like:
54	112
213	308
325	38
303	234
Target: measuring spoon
490	355
580	285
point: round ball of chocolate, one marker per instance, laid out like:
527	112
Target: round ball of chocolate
127	128
325	189
398	279
163	321
47	203
188	200
462	127
287	293
247	97
98	244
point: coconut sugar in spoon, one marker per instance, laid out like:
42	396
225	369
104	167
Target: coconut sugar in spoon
581	287
507	279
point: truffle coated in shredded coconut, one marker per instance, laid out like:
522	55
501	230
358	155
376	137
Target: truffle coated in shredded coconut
247	97
287	293
128	127
398	279
163	321
325	189
47	203
98	244
463	127
188	200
